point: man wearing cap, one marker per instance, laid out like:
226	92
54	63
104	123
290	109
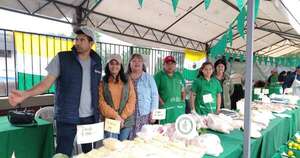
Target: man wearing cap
76	74
293	81
171	89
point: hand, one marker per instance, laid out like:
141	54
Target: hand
161	102
152	120
119	118
218	111
16	97
193	111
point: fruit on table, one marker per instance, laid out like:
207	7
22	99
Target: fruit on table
290	153
295	145
290	144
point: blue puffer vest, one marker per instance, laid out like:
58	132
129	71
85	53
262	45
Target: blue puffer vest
68	86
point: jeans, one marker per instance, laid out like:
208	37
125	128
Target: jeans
124	134
65	136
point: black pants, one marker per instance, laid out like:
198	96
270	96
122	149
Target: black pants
237	95
188	108
66	133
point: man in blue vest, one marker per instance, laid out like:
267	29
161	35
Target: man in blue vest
77	75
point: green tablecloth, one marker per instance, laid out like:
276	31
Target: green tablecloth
278	132
285	149
26	142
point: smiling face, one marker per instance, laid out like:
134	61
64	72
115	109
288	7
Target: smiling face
207	71
136	64
220	68
114	67
170	67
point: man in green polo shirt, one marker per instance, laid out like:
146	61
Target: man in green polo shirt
170	85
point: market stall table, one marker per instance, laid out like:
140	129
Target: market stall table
277	133
26	142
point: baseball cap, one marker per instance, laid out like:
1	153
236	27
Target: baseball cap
116	57
169	58
87	31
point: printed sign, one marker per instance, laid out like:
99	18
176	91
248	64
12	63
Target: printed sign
207	98
112	126
90	133
257	90
265	91
159	114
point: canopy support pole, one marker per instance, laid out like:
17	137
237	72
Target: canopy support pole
248	89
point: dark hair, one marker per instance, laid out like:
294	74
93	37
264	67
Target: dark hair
202	67
122	75
131	58
88	37
220	61
281	77
259	84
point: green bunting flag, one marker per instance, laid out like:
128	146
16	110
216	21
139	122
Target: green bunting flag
240	4
254	58
259	59
174	3
242	57
277	61
265	58
287	62
241	22
271	60
292	61
234	55
229	37
219	48
256	9
280	61
207	3
223	43
141	2
227	56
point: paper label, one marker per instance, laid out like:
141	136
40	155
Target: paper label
159	114
265	91
207	98
90	133
112	126
257	90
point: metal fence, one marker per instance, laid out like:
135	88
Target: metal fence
24	57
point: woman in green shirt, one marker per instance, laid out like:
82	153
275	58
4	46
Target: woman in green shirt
206	91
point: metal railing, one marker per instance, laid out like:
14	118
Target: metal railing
24	56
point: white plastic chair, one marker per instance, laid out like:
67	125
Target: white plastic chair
47	113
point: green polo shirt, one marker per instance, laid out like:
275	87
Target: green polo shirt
202	87
169	87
